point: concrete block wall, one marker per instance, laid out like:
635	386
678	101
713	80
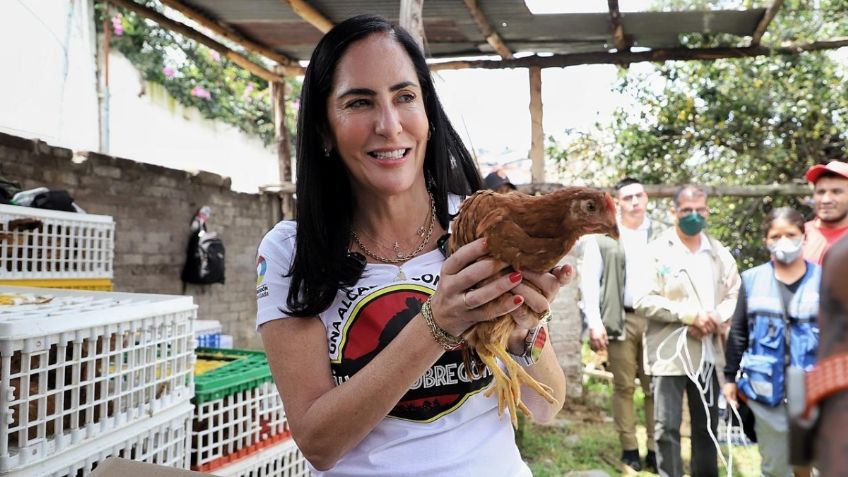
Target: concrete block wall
565	327
152	207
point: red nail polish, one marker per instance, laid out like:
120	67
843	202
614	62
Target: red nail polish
518	299
515	277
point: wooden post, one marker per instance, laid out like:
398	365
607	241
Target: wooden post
411	19
281	134
537	132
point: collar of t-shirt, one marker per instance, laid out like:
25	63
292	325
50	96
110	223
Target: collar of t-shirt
831	234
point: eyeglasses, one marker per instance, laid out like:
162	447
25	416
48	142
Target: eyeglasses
689	210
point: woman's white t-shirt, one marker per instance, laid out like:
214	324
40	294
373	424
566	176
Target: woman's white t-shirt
444	425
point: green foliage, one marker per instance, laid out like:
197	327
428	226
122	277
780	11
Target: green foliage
584	438
761	120
197	76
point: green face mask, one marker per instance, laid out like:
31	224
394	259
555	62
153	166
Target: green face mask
692	224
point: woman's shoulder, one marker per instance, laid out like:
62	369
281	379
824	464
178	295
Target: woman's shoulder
279	239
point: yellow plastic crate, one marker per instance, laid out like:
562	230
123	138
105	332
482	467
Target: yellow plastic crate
92	284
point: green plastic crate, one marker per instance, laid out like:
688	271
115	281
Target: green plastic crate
246	370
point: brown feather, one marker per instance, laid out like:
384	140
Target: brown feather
529	233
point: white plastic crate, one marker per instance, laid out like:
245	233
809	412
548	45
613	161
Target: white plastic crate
86	363
49	244
161	439
237	425
281	460
207	333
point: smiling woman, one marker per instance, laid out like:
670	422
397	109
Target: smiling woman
373	379
378	120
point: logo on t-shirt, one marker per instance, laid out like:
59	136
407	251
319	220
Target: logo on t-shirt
374	322
261	268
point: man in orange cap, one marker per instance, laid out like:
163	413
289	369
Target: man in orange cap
830	194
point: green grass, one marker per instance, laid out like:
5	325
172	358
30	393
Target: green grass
583	438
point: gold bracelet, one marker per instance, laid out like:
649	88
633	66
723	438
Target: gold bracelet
446	340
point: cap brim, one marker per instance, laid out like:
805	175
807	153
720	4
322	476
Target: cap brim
816	171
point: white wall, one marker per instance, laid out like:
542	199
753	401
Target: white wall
48	88
155	128
48	91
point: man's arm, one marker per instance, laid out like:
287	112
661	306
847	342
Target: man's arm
591	271
831	448
733	281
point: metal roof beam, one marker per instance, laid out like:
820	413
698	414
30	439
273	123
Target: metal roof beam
195	35
311	15
238	39
491	35
618	38
659	55
764	22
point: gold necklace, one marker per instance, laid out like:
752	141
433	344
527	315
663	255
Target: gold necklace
401	257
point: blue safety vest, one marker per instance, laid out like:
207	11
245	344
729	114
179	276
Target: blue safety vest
765	361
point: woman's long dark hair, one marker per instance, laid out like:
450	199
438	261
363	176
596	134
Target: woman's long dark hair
325	202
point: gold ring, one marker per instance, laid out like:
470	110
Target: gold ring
546	317
465	300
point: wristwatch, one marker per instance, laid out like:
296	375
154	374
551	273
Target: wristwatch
533	345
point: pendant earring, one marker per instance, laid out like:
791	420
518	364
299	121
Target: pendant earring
429	134
326	152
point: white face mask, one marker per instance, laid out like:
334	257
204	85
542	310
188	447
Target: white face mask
786	250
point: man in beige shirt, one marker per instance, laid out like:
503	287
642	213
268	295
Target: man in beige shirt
693	290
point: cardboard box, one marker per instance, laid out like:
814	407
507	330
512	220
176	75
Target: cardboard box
115	467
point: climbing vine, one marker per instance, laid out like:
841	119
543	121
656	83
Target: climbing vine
197	76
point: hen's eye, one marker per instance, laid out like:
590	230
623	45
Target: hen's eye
589	206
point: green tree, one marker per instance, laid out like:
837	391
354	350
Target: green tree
761	120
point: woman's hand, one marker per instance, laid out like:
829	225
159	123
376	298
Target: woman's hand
538	301
460	298
729	391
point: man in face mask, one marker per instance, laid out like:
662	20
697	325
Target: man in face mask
830	194
693	289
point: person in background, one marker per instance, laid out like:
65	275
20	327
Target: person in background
830	194
611	274
776	298
831	438
498	181
693	285
360	312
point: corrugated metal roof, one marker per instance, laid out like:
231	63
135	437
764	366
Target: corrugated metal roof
450	29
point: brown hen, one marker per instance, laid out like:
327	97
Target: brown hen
529	233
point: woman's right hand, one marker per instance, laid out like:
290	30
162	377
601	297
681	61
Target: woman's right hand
459	303
729	391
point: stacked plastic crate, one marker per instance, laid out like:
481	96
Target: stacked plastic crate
89	375
207	333
53	249
240	427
